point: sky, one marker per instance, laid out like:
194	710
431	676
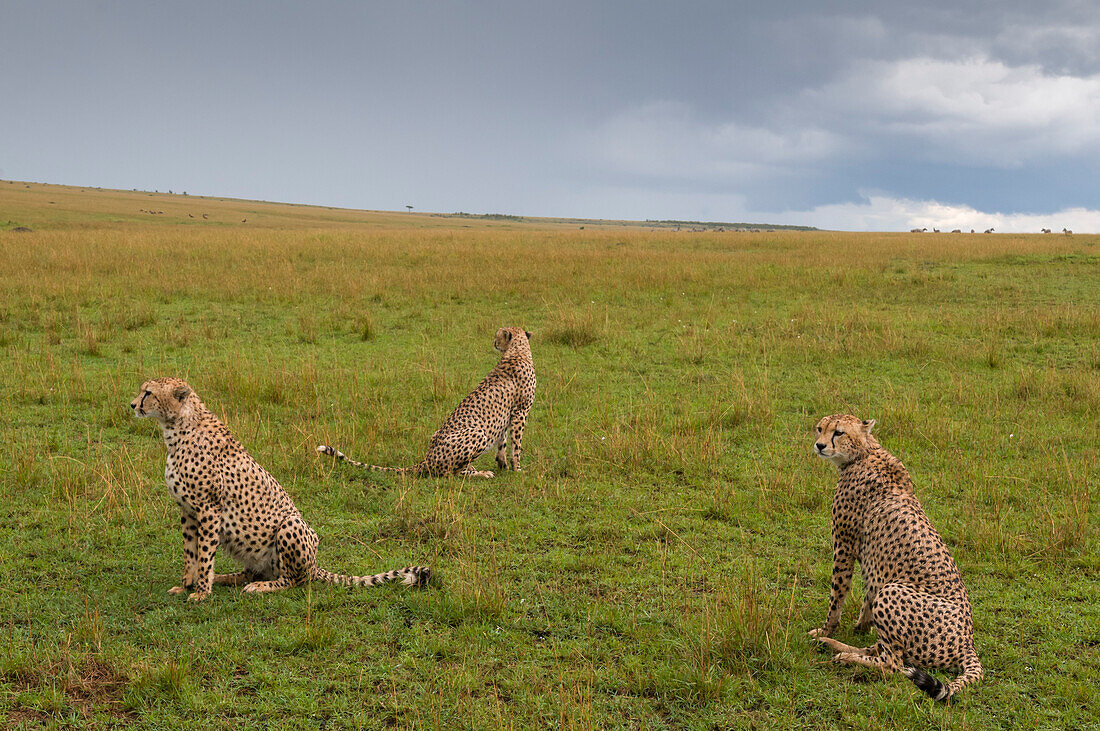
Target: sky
884	115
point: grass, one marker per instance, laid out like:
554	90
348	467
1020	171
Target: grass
663	554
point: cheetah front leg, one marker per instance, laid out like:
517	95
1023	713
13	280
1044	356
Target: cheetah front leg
519	421
190	528
207	544
502	462
843	563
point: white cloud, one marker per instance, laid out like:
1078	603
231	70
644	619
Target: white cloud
877	212
974	109
961	111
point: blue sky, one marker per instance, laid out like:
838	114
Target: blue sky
872	115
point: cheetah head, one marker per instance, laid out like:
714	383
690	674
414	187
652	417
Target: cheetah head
506	335
161	398
842	438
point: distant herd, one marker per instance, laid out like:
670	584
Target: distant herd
1066	231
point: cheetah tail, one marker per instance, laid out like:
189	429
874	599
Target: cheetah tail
410	575
421	468
342	457
939	691
936	690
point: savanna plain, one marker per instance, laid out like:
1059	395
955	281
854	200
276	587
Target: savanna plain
661	558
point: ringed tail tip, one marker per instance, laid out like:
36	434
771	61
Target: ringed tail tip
932	687
417	576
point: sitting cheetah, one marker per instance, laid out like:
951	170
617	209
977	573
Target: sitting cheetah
482	421
914	593
226	498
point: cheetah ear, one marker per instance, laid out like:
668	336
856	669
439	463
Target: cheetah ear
179	393
868	425
527	334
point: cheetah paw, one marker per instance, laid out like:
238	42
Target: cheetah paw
818	633
178	590
198	596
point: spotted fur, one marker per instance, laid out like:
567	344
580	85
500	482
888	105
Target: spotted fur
482	421
915	596
228	500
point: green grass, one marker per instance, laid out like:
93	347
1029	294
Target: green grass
660	559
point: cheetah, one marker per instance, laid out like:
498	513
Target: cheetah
499	404
915	596
227	499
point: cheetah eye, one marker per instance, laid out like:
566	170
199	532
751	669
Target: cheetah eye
838	433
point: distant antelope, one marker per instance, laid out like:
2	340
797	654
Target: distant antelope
917	230
204	218
956	231
244	220
1044	230
971	230
190	216
989	230
935	230
1066	231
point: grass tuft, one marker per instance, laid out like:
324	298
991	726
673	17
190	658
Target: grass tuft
366	328
573	329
